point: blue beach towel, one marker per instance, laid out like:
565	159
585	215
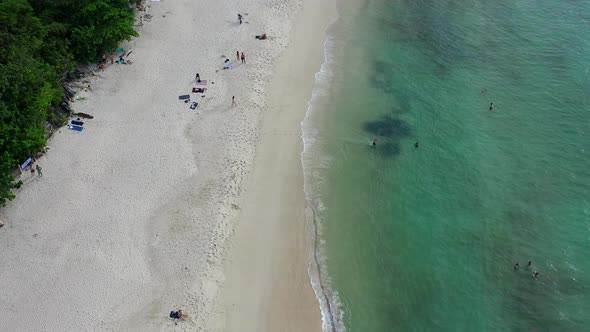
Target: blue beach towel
77	123
76	128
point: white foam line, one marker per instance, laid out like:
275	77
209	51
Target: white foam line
332	315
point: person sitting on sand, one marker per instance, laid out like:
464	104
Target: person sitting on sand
261	37
182	315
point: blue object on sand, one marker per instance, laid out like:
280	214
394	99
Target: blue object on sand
194	105
184	97
77	123
26	163
76	128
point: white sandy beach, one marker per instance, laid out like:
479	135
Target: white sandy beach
135	216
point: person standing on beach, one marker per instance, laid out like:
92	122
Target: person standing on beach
32	170
233	101
238	55
40	171
240	18
198	78
243	58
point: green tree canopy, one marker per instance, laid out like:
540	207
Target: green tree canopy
39	41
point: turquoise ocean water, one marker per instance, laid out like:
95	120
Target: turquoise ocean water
425	239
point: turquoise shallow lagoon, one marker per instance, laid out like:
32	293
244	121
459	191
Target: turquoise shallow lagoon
424	239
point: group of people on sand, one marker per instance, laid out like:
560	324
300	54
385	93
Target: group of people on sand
103	59
37	168
534	273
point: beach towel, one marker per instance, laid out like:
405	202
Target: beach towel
194	105
183	97
26	163
77	123
203	82
199	90
76	128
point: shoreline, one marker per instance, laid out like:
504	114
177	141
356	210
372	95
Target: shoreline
273	249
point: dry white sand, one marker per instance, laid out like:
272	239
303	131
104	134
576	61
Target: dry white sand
132	216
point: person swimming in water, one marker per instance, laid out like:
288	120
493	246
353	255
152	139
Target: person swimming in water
516	266
375	142
491	106
416	145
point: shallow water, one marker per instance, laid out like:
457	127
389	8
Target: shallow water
425	239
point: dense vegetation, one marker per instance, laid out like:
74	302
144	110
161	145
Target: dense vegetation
40	41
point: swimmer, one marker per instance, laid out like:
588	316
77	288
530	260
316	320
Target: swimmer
491	106
516	266
529	264
375	142
416	145
484	90
535	274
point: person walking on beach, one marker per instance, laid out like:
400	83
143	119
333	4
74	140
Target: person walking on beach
243	57
39	171
198	78
240	18
233	101
238	55
32	170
